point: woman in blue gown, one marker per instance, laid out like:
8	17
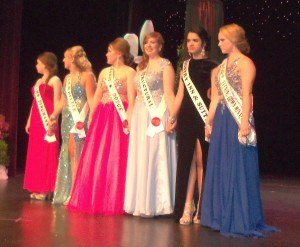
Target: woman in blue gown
231	198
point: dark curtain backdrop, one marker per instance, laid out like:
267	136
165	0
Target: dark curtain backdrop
10	31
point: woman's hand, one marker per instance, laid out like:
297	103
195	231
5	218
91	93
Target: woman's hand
244	130
27	128
207	129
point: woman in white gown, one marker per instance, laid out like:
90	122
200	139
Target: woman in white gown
151	167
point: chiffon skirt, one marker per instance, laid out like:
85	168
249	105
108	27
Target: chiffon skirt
151	168
231	198
100	180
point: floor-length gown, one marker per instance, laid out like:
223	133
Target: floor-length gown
190	127
100	180
64	176
231	198
42	156
151	167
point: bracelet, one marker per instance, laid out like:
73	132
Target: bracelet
171	120
207	126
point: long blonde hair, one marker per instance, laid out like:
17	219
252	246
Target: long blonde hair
80	58
145	59
236	34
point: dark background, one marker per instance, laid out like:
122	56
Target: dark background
271	26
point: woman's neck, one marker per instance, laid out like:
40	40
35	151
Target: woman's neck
198	56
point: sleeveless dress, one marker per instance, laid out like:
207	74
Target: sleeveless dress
64	176
42	157
100	180
190	127
231	198
151	167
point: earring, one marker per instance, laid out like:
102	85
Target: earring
202	52
190	54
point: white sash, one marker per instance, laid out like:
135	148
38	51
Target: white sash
117	100
156	113
49	136
194	94
78	118
234	104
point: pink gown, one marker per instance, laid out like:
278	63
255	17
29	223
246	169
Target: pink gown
42	157
100	180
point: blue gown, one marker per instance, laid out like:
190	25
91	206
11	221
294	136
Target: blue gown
231	197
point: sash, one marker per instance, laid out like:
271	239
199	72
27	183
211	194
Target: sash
117	99
156	113
49	136
78	118
234	104
194	94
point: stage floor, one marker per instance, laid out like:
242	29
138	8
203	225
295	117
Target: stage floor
28	223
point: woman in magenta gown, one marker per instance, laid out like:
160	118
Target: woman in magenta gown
43	145
100	180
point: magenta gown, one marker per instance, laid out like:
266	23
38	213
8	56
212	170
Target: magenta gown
42	157
100	180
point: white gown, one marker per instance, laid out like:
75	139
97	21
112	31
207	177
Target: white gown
151	167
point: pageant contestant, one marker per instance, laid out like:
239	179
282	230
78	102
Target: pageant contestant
100	181
231	199
43	146
151	167
193	100
78	91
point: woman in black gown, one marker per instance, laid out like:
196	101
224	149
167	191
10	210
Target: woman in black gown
192	148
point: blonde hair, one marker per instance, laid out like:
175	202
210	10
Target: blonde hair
50	61
236	34
121	45
145	59
80	58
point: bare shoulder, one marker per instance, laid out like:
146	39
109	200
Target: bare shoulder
130	71
54	80
87	75
246	63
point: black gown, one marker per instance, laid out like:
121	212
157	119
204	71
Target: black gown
190	127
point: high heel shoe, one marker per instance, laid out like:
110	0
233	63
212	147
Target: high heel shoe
196	218
40	197
188	212
32	195
66	202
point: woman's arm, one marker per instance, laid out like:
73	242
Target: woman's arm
89	82
98	94
213	104
131	93
27	127
168	85
247	72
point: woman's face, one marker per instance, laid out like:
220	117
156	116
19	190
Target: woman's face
68	59
193	43
225	44
40	67
112	55
152	47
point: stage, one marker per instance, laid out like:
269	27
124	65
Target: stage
25	222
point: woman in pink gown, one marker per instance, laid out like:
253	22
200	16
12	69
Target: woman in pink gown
43	146
100	180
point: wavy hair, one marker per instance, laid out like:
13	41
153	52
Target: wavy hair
121	45
81	60
160	40
236	34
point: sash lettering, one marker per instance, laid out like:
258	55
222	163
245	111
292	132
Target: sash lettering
156	113
234	104
117	100
78	118
194	94
49	136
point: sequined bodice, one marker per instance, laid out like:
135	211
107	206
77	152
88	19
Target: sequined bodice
121	87
154	79
78	93
234	79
